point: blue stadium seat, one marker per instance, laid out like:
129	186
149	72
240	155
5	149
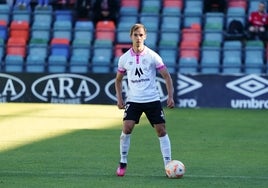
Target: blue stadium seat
63	15
151	22
210	61
41	51
169	56
41	34
188	65
57	64
232	62
128	10
4	16
35	63
152	39
193	7
84	26
171	11
125	22
79	64
77	51
123	36
254	61
171	23
169	39
3	32
14	63
42	21
67	34
189	20
62	25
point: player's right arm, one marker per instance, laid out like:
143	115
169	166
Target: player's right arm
118	90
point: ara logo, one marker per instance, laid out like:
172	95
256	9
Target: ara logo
250	86
110	90
186	84
11	88
65	88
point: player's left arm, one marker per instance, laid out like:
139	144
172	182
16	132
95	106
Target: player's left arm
169	85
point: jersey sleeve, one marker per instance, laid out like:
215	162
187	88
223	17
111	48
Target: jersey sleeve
159	62
120	67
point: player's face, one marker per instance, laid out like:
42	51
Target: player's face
261	8
138	37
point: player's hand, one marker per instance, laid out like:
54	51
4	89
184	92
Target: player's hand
121	104
170	103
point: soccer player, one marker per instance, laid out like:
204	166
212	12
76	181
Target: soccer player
141	64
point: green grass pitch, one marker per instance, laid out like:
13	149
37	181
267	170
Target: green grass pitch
220	148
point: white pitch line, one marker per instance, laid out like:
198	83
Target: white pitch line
65	173
228	177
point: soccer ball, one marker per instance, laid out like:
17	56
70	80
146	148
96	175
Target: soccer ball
175	169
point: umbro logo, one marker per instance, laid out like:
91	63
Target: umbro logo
250	86
186	84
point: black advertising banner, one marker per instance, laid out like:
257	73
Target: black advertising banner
191	91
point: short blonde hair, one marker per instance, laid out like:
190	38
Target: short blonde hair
137	26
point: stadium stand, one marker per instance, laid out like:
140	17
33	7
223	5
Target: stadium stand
188	37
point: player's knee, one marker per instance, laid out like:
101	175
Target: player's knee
161	131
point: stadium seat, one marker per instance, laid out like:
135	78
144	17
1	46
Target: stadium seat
193	8
60	47
5	8
78	64
150	7
42	21
14	63
171	3
232	62
3	30
210	61
84	26
254	61
169	57
128	10
123	36
81	52
20	29
40	34
152	39
16	46
66	34
188	65
214	21
35	63
171	23
41	51
105	30
151	22
63	15
169	39
171	11
128	3
57	64
189	20
103	43
125	22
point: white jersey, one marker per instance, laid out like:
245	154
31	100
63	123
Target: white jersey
141	74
